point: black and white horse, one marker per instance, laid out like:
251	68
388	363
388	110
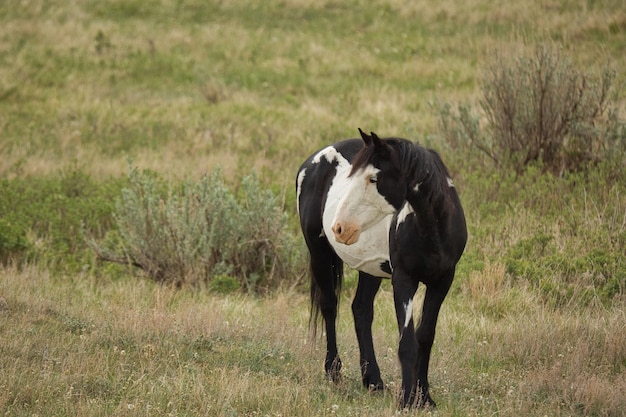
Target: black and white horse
388	208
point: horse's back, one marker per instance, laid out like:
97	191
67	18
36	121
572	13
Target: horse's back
345	149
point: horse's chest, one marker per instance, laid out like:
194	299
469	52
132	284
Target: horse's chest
370	253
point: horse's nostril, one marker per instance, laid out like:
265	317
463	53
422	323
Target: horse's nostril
346	233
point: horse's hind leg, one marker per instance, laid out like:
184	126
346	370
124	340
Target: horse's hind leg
327	269
363	311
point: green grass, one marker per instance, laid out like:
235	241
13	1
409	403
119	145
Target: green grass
534	324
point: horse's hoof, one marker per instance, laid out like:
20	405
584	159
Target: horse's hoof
373	384
333	371
426	401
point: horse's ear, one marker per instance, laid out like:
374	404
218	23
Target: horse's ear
378	143
366	138
380	146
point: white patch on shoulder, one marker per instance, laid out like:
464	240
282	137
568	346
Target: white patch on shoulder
408	312
450	182
329	152
301	176
405	211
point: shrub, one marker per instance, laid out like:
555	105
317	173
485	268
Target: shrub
540	107
41	218
224	284
565	276
565	237
13	241
198	232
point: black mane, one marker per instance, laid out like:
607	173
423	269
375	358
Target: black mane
420	165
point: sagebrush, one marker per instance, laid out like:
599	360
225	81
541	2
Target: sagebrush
538	107
194	232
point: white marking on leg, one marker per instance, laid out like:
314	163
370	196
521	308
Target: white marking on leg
408	311
450	182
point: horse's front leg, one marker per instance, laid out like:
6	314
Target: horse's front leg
404	289
363	311
425	335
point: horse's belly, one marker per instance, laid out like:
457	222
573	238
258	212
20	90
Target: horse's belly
370	253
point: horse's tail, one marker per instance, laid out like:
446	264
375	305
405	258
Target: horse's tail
325	291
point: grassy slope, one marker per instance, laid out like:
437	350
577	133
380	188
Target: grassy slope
183	86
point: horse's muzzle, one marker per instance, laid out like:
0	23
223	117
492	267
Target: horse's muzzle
346	232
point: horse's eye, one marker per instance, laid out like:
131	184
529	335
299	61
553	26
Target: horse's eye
373	179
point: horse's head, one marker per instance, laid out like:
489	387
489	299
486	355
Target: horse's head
375	189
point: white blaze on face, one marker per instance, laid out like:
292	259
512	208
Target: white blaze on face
371	249
361	205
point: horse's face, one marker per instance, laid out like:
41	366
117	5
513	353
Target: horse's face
374	190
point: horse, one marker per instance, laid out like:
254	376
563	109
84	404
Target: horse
389	209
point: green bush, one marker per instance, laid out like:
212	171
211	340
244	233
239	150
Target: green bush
547	154
41	219
567	276
195	232
565	237
13	241
224	284
539	107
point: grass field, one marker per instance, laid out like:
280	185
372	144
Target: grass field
535	323
83	347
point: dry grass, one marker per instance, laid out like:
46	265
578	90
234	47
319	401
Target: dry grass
88	346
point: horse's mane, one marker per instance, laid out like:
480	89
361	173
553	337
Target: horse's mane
421	166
